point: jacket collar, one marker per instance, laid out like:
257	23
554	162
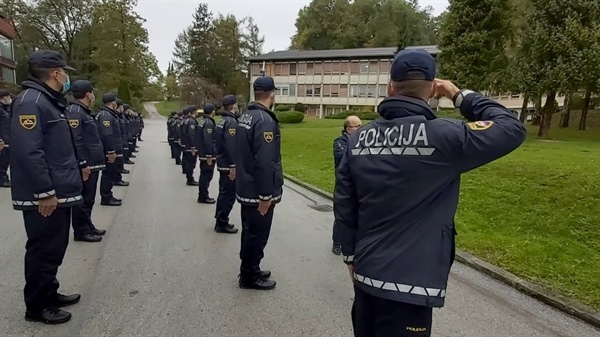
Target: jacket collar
83	106
228	114
54	96
259	106
403	106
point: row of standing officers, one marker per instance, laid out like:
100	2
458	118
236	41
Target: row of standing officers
58	150
246	151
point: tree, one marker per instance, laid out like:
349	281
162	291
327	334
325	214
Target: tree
201	43
475	33
181	54
321	25
253	41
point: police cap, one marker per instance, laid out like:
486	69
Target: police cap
119	102
48	59
126	107
413	64
192	108
229	100
4	93
209	108
108	98
82	86
264	84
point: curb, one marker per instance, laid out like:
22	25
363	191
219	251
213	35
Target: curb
556	301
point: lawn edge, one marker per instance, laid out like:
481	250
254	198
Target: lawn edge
557	301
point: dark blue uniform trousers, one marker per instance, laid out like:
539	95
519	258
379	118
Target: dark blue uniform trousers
47	240
206	175
225	200
110	175
255	234
4	155
189	164
82	214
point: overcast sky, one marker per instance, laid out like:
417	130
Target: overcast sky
275	19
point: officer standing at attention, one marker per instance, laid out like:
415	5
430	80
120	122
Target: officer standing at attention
177	139
131	132
259	181
141	120
112	141
397	192
225	145
171	133
5	102
46	182
126	135
340	144
206	153
188	140
90	154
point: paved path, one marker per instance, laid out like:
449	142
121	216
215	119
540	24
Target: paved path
162	271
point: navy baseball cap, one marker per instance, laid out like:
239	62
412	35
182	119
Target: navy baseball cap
413	64
265	84
209	108
108	98
48	59
229	100
82	86
119	102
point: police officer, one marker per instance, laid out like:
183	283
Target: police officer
90	154
126	135
46	182
141	120
259	181
225	146
177	139
131	133
206	153
112	141
171	132
340	144
5	102
396	222
188	141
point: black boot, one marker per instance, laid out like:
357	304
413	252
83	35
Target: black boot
258	284
48	316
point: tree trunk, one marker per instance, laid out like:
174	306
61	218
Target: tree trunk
537	117
566	114
547	112
523	115
586	107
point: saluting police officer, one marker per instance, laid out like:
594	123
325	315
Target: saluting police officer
188	141
90	154
259	181
112	141
46	182
206	153
225	146
397	192
5	102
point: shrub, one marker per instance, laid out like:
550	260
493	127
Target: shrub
283	108
299	107
290	117
13	88
365	115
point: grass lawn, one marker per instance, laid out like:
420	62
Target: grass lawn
535	212
165	107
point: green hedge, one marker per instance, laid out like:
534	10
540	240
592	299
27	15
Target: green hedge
290	117
365	115
282	107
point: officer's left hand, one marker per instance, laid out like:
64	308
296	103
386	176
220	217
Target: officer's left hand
1	145
232	173
351	271
209	160
85	173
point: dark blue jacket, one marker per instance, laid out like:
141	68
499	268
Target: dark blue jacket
259	175
189	133
43	162
171	129
125	131
397	192
110	131
339	148
177	129
88	144
5	124
225	141
206	138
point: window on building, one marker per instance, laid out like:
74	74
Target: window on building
9	75
343	90
255	69
364	67
318	68
6	48
326	90
358	90
335	90
292	90
384	66
286	69
313	90
354	67
282	90
327	68
382	90
278	69
335	68
373	67
310	69
344	67
293	68
301	90
372	90
335	109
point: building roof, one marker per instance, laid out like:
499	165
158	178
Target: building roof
358	53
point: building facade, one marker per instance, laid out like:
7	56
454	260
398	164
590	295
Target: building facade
333	81
7	50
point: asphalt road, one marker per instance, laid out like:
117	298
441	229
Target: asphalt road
162	271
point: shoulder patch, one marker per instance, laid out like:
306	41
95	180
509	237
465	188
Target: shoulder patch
480	125
268	136
74	123
192	126
231	132
106	123
209	131
28	122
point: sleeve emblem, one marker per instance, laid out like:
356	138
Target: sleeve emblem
106	123
232	132
28	122
268	136
480	125
74	123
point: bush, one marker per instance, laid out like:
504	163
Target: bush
290	117
13	88
283	108
365	115
299	107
